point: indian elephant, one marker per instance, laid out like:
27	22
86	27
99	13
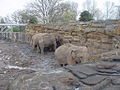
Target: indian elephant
47	40
69	54
59	40
34	40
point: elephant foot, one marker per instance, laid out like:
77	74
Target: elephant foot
42	53
38	51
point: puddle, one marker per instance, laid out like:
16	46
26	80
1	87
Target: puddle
20	68
77	88
24	68
54	71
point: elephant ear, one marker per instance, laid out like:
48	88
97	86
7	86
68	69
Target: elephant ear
73	54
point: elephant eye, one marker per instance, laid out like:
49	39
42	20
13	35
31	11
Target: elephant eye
61	65
81	57
76	62
66	64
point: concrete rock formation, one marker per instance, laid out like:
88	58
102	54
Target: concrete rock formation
102	75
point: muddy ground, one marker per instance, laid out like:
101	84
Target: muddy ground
19	58
22	55
21	68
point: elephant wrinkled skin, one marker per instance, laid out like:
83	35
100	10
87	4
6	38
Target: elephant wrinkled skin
43	41
69	54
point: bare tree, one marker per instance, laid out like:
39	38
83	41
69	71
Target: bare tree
91	6
109	9
49	11
22	16
99	15
44	9
2	20
7	19
118	12
87	5
66	11
15	17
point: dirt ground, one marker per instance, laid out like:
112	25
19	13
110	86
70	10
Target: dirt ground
22	55
19	58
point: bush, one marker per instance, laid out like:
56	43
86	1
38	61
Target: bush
16	29
33	20
85	16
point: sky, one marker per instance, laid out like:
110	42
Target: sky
100	3
7	7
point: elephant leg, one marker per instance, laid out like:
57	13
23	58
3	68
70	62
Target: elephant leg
55	45
42	49
38	49
86	55
31	42
33	46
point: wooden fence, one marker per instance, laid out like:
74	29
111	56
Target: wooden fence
16	36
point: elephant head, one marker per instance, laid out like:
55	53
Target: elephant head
76	57
59	40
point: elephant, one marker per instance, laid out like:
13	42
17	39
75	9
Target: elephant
34	40
59	40
44	42
69	54
47	40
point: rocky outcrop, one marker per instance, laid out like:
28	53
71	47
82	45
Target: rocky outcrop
102	75
54	80
7	75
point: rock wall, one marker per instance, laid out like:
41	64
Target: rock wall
99	36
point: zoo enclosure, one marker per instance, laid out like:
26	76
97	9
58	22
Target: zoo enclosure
16	36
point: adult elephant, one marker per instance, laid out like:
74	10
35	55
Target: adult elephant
46	42
34	40
59	39
69	54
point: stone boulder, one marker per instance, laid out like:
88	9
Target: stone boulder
54	80
89	76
